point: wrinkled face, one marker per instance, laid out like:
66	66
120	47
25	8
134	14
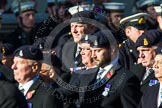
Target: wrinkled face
115	18
46	72
23	71
77	30
7	60
101	56
146	55
28	18
158	66
86	53
133	33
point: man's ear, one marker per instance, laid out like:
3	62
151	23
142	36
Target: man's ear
35	66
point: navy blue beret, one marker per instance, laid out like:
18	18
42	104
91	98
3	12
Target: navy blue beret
149	38
81	17
29	52
7	49
97	40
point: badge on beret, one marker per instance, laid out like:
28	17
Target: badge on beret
21	53
3	50
86	38
141	20
95	43
145	42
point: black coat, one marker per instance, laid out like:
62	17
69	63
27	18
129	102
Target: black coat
128	54
43	97
150	96
68	56
124	93
10	96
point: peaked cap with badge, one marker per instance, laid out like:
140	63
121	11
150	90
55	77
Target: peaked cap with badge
80	8
29	52
143	4
149	38
114	6
19	6
137	20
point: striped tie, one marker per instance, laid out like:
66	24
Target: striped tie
99	75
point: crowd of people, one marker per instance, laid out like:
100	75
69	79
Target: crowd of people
83	55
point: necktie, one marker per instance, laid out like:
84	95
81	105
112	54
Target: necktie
77	52
21	88
99	74
148	72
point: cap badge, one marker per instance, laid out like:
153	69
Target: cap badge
86	38
21	53
145	42
141	20
95	43
3	50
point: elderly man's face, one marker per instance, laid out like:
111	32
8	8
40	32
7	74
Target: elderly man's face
23	70
146	56
77	30
158	66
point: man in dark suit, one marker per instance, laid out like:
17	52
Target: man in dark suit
26	67
108	86
146	45
79	26
11	97
153	95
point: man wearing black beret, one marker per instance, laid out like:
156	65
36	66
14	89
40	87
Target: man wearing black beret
26	66
80	24
146	45
108	85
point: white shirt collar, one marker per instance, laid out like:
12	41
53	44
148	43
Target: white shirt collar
108	67
27	85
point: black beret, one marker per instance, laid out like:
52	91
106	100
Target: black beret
81	17
7	49
29	52
98	40
51	59
149	38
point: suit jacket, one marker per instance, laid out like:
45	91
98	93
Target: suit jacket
149	98
145	83
43	97
11	97
68	56
124	91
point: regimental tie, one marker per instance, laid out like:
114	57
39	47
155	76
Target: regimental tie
99	74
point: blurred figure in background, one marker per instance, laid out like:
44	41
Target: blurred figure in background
148	7
25	15
114	13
